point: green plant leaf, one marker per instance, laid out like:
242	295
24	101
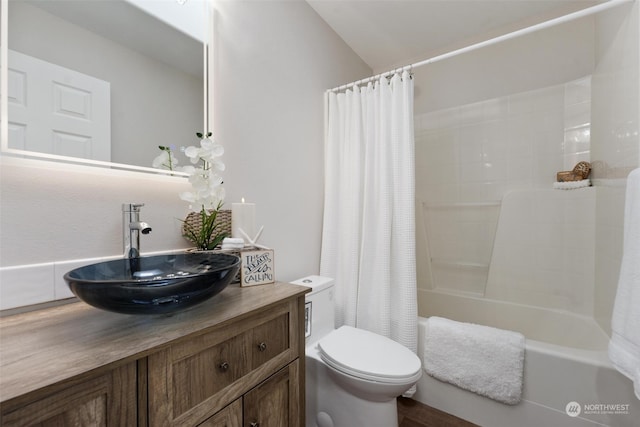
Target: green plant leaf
205	237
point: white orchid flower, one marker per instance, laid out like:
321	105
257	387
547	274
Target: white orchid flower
188	196
165	160
217	165
193	153
206	143
209	145
206	192
210	149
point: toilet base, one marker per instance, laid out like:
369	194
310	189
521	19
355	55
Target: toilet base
330	405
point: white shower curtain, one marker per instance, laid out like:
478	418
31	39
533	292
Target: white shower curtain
368	242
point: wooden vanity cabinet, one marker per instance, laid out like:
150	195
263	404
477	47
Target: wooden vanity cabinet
238	362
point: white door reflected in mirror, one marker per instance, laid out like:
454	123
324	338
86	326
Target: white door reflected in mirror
56	110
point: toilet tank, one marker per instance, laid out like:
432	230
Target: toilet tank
319	317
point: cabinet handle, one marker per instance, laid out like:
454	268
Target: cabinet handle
254	424
262	346
224	366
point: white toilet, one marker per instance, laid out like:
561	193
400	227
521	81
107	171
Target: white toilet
353	376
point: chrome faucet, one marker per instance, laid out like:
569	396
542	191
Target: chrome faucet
131	229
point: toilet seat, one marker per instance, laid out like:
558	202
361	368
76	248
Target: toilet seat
369	356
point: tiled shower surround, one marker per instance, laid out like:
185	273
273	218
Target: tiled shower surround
468	158
478	152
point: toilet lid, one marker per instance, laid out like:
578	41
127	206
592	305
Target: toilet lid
370	356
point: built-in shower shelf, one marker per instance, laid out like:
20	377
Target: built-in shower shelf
458	292
459	264
452	205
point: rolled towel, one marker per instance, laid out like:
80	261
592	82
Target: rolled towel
231	247
229	243
481	359
233	241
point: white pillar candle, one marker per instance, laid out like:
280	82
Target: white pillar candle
243	215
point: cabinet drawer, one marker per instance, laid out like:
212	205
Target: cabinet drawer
207	372
193	379
269	340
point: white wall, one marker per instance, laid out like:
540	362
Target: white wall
538	60
275	60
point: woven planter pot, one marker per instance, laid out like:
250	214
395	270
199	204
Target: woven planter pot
223	223
194	221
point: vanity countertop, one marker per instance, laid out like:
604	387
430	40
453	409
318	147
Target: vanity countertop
44	347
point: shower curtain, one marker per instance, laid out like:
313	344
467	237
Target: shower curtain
368	241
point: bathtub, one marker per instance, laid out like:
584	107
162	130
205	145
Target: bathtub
565	361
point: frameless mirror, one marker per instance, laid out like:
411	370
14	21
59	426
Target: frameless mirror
104	80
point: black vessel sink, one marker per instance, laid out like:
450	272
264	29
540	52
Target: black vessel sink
155	284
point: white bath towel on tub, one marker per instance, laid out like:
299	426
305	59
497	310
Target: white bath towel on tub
624	347
482	359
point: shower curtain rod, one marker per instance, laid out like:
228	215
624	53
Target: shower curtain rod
536	27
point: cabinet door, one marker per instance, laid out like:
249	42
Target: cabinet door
276	401
188	380
107	400
231	416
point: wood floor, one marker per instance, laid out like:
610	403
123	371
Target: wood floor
415	414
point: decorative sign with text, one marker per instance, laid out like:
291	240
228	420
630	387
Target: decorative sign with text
256	267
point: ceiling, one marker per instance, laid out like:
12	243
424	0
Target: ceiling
391	33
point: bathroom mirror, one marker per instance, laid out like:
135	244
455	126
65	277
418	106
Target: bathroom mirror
103	82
